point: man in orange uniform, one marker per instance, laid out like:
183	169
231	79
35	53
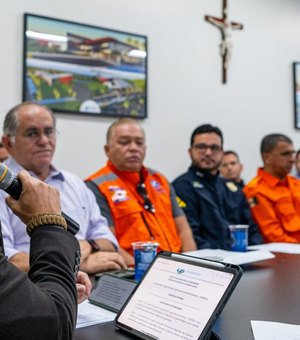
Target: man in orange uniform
274	195
139	203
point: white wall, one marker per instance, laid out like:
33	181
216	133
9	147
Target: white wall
185	87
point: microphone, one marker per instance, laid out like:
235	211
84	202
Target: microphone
13	186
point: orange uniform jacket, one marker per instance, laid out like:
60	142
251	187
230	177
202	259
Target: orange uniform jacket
275	206
126	206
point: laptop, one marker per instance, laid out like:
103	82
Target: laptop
179	297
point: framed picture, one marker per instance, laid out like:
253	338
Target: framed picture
296	74
84	69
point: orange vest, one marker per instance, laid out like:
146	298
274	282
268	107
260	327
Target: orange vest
275	206
131	221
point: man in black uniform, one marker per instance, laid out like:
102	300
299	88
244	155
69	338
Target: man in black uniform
42	304
210	202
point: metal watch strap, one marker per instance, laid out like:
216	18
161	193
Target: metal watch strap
44	219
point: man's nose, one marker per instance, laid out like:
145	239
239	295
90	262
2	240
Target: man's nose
208	151
133	145
43	138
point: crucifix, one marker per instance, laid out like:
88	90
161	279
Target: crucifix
226	27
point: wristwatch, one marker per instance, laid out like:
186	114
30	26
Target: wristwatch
95	246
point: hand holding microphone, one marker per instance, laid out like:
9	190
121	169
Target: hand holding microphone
36	198
28	206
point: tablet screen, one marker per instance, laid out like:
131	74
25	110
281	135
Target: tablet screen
176	299
111	292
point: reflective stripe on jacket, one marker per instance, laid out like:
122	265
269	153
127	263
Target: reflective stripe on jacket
132	221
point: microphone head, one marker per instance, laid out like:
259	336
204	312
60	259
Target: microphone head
6	177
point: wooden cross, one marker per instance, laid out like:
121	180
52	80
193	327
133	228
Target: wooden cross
226	27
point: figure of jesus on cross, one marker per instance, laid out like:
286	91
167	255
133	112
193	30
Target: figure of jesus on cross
226	27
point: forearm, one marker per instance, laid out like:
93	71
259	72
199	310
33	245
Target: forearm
271	227
105	245
102	261
185	234
86	248
47	296
187	242
21	261
275	233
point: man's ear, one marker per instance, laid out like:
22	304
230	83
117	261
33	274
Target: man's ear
265	158
6	141
106	149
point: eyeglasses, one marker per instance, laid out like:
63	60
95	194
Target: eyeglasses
202	147
141	189
35	134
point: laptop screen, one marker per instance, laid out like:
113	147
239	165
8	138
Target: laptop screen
179	297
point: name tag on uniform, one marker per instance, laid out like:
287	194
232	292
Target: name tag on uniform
197	185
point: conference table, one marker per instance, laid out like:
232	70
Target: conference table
269	290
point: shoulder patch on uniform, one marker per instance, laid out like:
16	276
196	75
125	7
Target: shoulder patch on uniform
156	185
180	202
253	201
118	194
232	186
197	185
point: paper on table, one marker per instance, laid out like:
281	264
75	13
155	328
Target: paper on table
232	256
267	330
289	248
89	314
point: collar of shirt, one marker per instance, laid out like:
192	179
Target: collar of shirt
271	180
132	177
15	167
203	174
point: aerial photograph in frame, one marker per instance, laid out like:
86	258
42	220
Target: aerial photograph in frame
77	68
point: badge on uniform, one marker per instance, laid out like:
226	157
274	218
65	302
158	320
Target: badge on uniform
232	186
156	185
180	202
119	194
197	185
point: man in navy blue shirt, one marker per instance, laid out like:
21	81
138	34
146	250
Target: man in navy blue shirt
210	202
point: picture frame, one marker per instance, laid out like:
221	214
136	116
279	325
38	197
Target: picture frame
296	83
77	68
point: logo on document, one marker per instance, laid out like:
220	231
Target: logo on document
180	270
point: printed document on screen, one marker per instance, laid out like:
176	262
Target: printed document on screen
176	299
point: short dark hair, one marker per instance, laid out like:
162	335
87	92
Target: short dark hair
11	120
206	128
121	121
270	141
231	152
